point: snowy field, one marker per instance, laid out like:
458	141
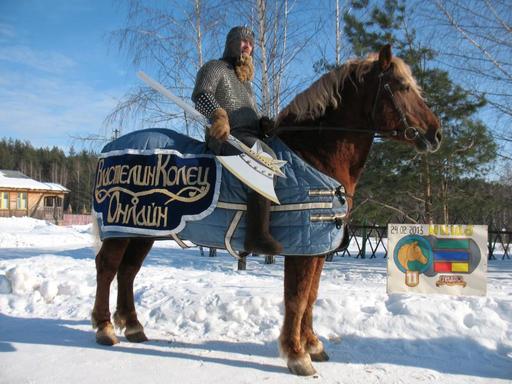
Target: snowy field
209	323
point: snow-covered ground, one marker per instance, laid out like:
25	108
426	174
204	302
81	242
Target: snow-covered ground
209	323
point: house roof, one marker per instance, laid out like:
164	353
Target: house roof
18	180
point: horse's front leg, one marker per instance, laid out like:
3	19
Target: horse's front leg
298	277
125	316
108	260
313	345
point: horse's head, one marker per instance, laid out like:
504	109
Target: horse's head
417	254
333	122
396	106
410	253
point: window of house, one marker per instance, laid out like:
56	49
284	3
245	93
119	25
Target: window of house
4	200
21	200
48	201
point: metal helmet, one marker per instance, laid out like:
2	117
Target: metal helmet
233	39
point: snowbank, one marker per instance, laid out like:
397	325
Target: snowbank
210	323
26	232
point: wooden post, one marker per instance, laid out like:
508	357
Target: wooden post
242	263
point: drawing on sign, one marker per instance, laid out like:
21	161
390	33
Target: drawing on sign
413	256
437	258
431	256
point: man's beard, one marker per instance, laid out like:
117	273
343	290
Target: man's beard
244	68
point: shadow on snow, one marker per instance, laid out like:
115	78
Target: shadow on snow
448	355
63	333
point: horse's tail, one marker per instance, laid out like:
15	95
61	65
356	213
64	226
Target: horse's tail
96	235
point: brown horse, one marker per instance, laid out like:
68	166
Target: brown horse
332	126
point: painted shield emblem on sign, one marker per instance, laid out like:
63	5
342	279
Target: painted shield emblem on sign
413	256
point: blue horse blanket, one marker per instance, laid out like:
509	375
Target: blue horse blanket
308	222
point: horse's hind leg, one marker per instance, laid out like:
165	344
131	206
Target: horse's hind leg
298	277
107	262
312	344
125	316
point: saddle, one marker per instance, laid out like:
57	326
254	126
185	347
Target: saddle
309	220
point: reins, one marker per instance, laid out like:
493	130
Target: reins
409	133
320	127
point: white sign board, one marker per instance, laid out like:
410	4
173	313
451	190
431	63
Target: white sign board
450	259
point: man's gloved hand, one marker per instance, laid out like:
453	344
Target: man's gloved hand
266	125
220	125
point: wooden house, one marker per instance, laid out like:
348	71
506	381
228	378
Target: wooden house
22	196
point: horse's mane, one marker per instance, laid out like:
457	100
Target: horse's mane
326	91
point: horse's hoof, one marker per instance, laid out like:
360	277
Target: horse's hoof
319	357
317	352
135	333
106	335
301	366
137	337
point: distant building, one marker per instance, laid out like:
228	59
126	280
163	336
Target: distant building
22	196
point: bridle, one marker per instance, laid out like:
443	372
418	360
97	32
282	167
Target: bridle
407	131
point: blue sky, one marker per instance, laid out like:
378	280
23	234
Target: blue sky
59	75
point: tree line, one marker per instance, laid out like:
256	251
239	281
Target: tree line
74	170
388	190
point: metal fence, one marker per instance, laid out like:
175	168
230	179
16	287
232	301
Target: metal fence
370	241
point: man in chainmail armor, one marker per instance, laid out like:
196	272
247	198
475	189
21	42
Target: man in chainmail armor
223	93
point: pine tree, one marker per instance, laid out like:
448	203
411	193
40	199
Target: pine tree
397	180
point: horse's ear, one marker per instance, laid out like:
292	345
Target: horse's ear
385	57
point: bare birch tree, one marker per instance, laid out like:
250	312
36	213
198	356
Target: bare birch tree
483	49
172	41
283	31
331	46
167	41
262	38
338	35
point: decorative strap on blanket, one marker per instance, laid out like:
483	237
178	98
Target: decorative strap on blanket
230	232
277	208
180	242
240	209
337	219
339	192
322	192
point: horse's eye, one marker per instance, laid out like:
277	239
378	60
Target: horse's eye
405	87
